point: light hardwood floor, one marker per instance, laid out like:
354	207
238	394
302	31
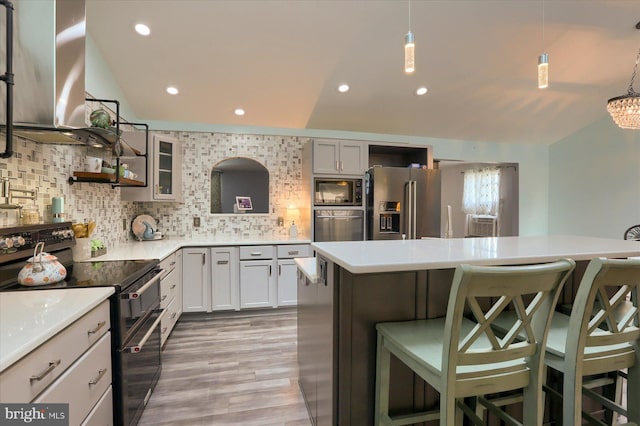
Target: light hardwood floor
230	369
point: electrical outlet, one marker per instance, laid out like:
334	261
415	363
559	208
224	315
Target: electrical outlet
280	221
124	224
196	222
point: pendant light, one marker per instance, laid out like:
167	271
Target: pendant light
543	61
625	109
409	49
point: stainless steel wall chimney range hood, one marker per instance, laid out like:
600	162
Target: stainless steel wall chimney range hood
49	74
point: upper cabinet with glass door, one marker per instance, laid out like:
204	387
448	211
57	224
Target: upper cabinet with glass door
164	172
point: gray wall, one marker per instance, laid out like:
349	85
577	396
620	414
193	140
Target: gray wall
595	181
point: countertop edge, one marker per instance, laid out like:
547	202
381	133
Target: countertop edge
92	298
160	249
458	253
308	266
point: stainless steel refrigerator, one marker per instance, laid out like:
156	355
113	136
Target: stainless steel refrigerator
402	202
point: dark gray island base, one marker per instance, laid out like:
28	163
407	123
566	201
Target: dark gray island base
338	313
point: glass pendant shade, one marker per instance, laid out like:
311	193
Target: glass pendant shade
409	53
625	109
543	71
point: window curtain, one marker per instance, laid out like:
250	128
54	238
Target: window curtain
481	192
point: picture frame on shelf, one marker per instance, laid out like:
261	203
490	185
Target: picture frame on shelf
244	203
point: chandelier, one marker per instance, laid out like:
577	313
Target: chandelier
625	109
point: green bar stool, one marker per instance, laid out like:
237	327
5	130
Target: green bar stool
601	335
460	356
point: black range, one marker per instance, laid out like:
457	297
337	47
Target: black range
135	306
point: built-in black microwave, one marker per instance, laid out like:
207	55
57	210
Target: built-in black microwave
337	192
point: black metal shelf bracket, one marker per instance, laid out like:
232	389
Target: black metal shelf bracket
118	151
7	78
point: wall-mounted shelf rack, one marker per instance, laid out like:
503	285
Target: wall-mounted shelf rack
121	150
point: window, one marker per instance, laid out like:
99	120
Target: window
481	191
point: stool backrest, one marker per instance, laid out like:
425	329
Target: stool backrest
532	291
605	317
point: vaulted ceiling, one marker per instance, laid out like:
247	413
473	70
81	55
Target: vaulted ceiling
282	62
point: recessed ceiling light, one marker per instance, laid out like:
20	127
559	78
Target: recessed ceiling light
142	29
343	88
421	91
172	90
238	111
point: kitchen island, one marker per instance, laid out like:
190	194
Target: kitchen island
362	283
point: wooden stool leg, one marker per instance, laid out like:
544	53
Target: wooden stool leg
383	366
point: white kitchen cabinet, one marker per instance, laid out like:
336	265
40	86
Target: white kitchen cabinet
287	282
77	362
345	157
287	293
224	279
171	293
257	277
195	280
86	381
256	283
164	180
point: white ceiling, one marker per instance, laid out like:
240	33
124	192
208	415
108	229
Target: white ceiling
282	61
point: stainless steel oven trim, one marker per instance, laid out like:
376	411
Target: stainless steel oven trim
136	294
133	349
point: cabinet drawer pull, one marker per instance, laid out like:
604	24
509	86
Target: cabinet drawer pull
337	167
163	298
294	252
164	330
172	287
95	381
256	253
279	270
172	264
223	262
49	369
95	330
173	315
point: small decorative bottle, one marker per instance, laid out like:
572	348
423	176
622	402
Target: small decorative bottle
293	231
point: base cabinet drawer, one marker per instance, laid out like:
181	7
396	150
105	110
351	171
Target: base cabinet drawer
84	383
256	252
169	319
25	380
102	413
289	251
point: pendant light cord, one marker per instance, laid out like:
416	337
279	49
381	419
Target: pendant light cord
633	76
543	25
409	15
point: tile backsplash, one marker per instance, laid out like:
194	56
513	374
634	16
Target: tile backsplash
48	167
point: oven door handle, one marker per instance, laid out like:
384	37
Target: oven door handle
137	293
134	349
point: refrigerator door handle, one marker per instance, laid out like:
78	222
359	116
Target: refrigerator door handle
408	209
415	210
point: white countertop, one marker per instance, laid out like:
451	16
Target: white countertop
30	318
308	266
391	256
159	249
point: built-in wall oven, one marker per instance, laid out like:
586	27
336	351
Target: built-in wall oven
135	307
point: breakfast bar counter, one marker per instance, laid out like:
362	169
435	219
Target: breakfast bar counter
361	283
